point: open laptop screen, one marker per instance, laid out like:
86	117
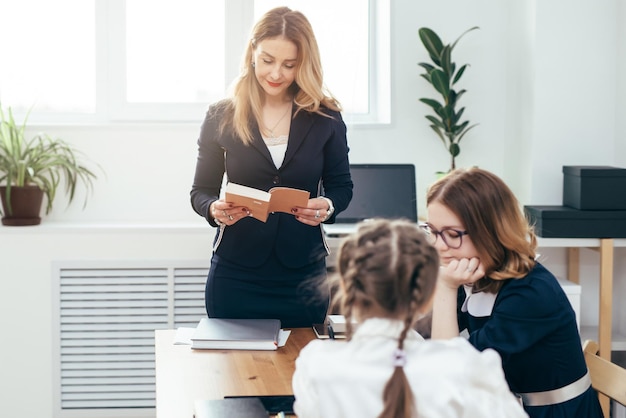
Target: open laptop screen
381	190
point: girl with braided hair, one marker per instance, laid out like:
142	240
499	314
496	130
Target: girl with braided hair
386	274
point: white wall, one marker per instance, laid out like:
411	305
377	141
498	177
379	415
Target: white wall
147	177
575	96
543	85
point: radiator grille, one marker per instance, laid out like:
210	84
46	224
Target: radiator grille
189	296
107	315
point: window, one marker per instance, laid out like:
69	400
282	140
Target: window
165	60
48	56
342	36
176	44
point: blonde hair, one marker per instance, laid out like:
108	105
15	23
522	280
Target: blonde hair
494	220
308	89
387	268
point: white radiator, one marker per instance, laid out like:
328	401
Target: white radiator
105	315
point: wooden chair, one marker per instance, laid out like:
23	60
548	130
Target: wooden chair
607	378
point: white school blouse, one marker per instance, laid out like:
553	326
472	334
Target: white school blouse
449	378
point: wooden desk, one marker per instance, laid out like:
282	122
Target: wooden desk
184	375
603	333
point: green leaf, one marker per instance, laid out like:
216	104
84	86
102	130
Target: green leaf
458	115
458	75
441	83
432	103
446	60
459	128
463	34
432	43
454	149
448	112
464	132
436	122
426	66
452	96
439	133
441	112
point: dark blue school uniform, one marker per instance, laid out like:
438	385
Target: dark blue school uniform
533	327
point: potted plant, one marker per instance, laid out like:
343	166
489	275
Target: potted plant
32	168
443	74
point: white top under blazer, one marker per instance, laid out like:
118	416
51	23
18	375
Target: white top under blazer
449	378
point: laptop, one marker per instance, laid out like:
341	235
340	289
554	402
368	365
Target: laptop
380	191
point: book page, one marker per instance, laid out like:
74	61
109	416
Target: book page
250	192
285	198
257	201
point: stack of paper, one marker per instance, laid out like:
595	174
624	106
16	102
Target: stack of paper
323	331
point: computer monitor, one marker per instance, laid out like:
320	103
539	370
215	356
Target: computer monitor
381	190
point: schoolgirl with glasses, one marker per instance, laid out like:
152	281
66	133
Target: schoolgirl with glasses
491	285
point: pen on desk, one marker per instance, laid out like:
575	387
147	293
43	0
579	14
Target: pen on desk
331	332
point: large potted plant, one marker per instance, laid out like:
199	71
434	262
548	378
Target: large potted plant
443	74
32	168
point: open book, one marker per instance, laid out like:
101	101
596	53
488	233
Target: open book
236	334
261	203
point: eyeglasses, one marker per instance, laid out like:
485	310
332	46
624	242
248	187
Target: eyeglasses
453	238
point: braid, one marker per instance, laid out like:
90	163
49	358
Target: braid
359	259
348	300
388	267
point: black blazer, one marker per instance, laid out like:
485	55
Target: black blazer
316	156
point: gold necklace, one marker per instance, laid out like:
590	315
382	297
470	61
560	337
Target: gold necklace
271	131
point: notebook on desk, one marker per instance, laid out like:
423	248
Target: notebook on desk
250	407
273	404
380	191
236	334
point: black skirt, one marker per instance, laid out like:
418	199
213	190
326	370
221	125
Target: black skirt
298	297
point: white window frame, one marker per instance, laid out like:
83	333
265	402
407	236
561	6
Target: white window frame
112	89
111	105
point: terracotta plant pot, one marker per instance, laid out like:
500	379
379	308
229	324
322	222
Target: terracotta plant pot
25	206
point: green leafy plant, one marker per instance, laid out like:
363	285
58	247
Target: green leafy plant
443	74
42	161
